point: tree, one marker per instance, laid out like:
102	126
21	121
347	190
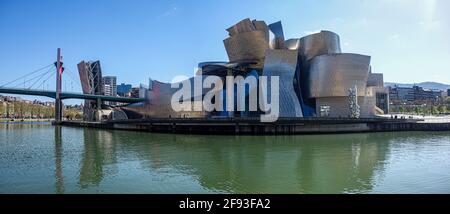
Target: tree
442	109
18	109
434	110
2	109
72	114
48	112
417	110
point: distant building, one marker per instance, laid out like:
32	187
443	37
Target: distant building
111	81
135	92
107	90
124	89
414	93
150	83
448	92
142	90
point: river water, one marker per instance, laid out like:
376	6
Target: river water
41	158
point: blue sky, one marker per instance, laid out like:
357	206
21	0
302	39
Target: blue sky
407	39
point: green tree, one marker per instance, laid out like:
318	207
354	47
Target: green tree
18	109
79	116
417	110
442	109
48	112
2	109
73	114
10	110
26	109
434	110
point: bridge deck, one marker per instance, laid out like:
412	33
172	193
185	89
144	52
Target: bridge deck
69	95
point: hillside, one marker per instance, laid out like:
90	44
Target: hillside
425	85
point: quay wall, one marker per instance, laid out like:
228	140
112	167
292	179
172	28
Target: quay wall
253	127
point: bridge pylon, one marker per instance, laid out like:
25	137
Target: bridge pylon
59	70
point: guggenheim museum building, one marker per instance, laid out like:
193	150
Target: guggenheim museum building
316	79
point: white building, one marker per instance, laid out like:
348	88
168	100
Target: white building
111	81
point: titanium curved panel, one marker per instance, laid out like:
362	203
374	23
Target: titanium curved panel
332	75
220	68
283	63
278	41
324	42
246	46
262	26
118	114
158	102
292	44
244	25
375	79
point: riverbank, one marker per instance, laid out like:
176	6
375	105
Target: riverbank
252	126
13	120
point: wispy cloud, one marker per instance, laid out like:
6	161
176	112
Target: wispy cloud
394	37
172	8
364	22
429	20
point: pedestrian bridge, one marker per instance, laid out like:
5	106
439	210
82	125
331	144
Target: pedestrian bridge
69	95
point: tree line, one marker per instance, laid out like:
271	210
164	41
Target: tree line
421	110
22	110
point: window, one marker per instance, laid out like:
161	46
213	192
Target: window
381	101
324	111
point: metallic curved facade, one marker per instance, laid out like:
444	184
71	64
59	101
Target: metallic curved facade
262	26
277	42
283	63
332	75
292	44
244	25
246	46
248	41
324	42
375	79
222	69
315	77
158	102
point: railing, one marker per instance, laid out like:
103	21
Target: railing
69	95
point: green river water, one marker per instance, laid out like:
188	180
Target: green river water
41	158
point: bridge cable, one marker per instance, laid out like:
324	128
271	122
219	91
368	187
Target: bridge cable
71	77
27	81
27	75
52	74
45	74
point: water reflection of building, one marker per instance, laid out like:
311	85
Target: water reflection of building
278	164
99	151
59	177
247	164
